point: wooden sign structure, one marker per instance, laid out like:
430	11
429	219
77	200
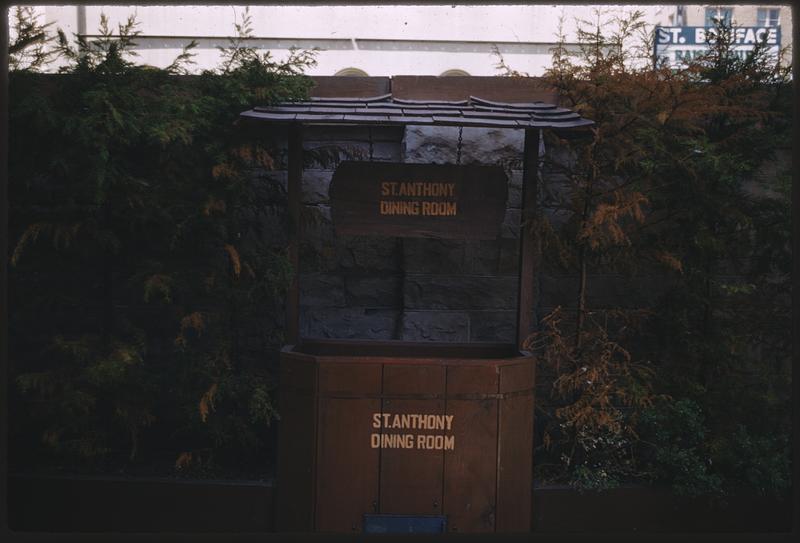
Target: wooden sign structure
418	200
378	434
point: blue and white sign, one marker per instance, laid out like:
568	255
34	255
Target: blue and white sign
676	45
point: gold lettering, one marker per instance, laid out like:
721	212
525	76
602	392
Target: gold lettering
449	420
375	440
385	190
449	442
376	420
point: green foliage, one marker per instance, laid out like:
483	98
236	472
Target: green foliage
684	177
141	271
676	431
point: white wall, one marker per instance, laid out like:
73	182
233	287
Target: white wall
381	40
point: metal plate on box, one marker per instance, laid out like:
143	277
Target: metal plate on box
404	524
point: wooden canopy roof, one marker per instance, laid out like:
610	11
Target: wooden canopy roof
387	110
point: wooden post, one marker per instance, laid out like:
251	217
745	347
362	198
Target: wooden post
294	181
527	240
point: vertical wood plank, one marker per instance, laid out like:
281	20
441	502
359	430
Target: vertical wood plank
515	464
347	480
297	430
470	469
295	175
527	241
411	479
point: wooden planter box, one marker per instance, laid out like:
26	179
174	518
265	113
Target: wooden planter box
396	428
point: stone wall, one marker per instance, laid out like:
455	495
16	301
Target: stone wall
363	287
413	289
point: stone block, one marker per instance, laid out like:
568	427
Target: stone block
515	190
423	255
493	326
321	290
348	323
459	292
315	186
374	291
438	144
435	326
368	253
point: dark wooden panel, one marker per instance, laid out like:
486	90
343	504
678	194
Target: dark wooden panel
515	464
416	379
347	483
350	378
364	348
411	479
501	89
294	508
349	86
514	377
471	467
418	200
472	379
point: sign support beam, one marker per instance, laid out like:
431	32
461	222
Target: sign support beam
528	241
295	175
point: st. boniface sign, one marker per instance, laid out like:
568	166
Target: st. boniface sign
676	45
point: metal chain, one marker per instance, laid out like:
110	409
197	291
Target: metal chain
369	132
458	147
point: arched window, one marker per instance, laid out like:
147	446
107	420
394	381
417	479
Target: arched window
449	73
353	72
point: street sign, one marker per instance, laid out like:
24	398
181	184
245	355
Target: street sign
677	45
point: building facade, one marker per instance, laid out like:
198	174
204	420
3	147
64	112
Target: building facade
364	40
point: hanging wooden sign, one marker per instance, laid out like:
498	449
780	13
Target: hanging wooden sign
418	200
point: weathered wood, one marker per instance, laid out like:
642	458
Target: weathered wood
527	240
462	476
418	200
349	378
294	190
404	349
328	86
472	379
296	459
413	379
515	464
500	89
347	484
411	479
470	473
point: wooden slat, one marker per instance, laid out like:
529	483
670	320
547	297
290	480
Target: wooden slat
405	349
350	379
517	377
472	379
350	99
470	469
296	459
454	103
411	479
478	100
515	464
416	379
348	467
